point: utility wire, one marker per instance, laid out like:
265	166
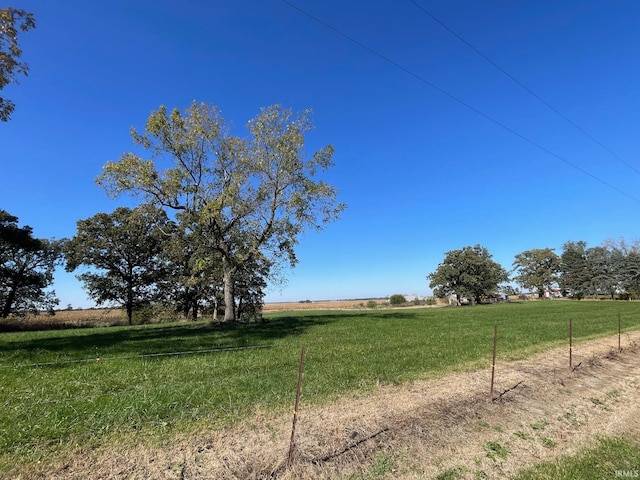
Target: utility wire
456	99
524	87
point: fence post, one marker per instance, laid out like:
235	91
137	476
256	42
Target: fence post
570	343
619	334
295	411
493	363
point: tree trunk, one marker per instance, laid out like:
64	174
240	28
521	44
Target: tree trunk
11	297
8	303
185	306
194	309
228	279
6	309
130	305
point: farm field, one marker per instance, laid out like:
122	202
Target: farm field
100	317
319	305
223	395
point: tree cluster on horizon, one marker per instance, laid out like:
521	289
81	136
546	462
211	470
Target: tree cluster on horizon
578	272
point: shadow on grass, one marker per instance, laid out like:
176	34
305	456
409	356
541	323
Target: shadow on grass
149	339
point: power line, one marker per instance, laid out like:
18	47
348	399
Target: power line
456	99
524	87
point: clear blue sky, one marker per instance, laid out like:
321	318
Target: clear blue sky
421	173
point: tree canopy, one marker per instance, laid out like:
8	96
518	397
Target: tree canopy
249	199
124	251
12	22
537	269
468	272
26	268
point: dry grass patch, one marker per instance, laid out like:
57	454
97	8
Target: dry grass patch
65	319
318	305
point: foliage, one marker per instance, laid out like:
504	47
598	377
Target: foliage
193	278
604	265
124	249
537	269
372	304
248	199
469	272
574	276
625	259
609	269
397	299
12	22
26	268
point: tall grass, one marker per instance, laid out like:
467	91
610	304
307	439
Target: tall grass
66	388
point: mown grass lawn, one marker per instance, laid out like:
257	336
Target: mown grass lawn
90	387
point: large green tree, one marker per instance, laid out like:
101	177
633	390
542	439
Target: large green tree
468	272
26	268
249	198
538	269
190	283
625	259
631	274
606	270
575	274
12	22
123	251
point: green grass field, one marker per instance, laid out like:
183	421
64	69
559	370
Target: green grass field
93	387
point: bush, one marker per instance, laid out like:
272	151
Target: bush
397	299
153	313
372	304
430	301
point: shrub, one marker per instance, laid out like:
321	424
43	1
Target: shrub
153	313
372	304
397	299
430	301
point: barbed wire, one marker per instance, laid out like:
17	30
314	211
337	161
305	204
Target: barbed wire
128	357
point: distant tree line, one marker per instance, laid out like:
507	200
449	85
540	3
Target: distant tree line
612	269
140	258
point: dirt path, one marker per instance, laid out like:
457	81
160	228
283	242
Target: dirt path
416	431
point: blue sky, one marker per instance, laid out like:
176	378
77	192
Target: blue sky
421	172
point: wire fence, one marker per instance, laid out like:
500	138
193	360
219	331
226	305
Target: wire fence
219	349
128	357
